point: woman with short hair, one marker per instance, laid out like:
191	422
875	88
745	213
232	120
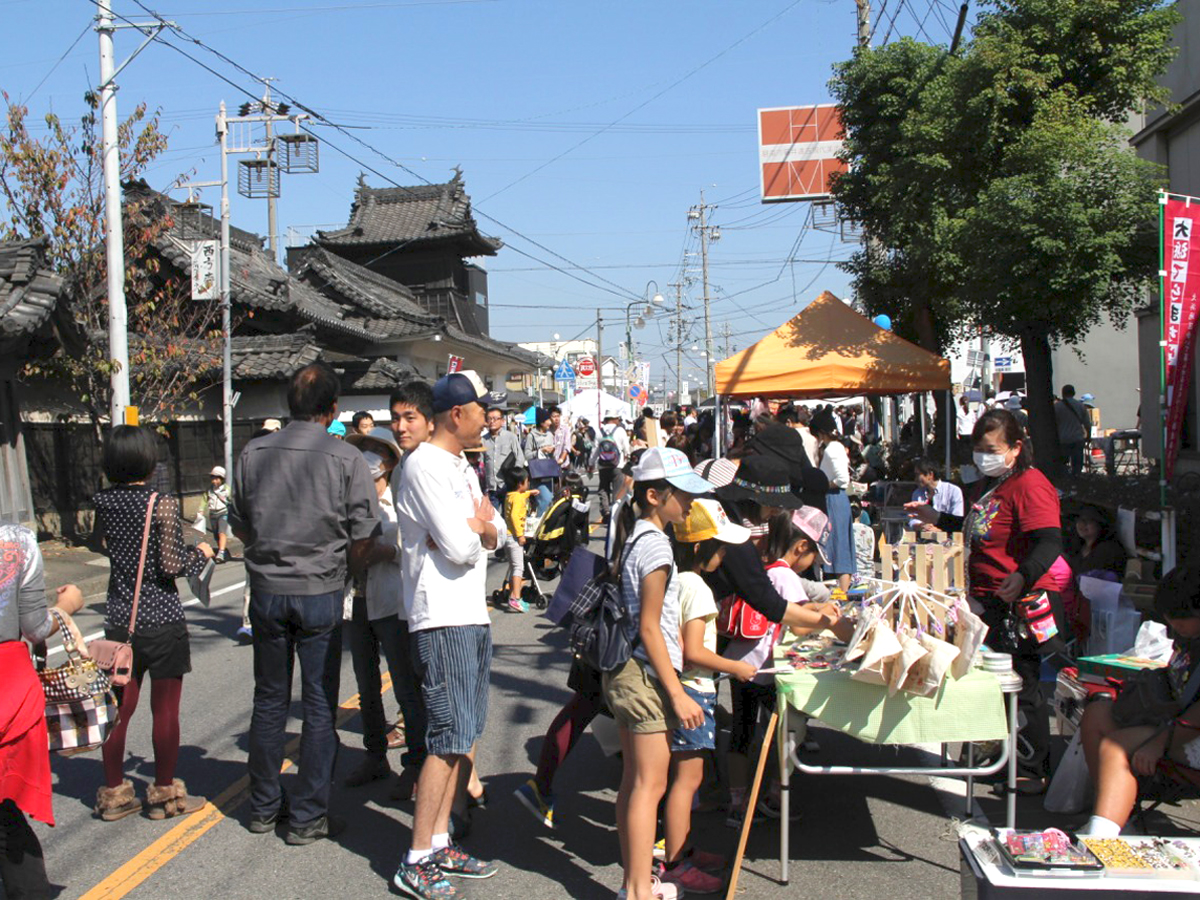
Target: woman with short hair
160	637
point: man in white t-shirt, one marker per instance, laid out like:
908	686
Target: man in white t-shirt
447	525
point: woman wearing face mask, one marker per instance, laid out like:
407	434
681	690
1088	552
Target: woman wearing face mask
1014	528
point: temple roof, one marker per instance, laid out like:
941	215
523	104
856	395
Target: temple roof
420	214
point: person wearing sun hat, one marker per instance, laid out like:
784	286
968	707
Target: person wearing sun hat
786	444
374	625
701	541
759	490
645	695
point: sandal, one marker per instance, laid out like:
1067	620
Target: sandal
171	800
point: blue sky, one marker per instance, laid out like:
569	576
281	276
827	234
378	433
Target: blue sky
503	87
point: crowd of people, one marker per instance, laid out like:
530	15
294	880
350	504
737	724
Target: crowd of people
385	532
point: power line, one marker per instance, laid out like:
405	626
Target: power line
619	291
649	100
86	29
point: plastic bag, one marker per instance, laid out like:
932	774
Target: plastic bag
1071	787
1153	642
200	524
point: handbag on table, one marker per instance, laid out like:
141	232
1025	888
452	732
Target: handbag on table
81	707
116	657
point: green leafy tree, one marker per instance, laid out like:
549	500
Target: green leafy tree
999	191
53	187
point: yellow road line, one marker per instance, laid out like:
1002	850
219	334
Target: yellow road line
193	827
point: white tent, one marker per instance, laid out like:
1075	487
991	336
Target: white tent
593	405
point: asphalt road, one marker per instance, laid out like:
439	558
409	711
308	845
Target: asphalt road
859	837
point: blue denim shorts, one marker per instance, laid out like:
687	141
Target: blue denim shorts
453	666
704	736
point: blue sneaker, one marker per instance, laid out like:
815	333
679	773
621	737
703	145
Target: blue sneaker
424	880
531	798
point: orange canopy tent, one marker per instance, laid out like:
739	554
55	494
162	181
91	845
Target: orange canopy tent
829	350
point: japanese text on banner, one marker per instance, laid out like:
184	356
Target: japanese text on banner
1179	318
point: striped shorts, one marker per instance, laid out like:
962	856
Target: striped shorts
453	665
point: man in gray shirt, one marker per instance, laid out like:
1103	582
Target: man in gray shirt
1073	428
305	506
498	443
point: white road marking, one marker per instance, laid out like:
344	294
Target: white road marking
96	635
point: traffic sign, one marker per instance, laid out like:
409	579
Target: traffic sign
1002	363
586	366
564	372
636	392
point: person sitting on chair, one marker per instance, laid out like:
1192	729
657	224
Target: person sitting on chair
1119	744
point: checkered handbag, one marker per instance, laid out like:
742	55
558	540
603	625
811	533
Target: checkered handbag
81	707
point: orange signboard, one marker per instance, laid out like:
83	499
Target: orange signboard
797	151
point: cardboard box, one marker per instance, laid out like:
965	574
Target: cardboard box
1115	665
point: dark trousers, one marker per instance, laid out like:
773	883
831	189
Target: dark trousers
497	498
1073	456
289	628
608	480
369	638
22	868
1033	710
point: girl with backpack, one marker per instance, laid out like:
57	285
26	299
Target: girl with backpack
792	546
645	695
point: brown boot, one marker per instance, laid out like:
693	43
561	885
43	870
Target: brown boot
168	801
117	803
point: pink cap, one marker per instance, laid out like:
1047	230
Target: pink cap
815	525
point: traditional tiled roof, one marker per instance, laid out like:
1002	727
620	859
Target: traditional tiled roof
271	357
383	375
419	214
385	306
491	345
29	291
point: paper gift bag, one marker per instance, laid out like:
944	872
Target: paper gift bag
969	633
911	651
882	648
858	641
927	675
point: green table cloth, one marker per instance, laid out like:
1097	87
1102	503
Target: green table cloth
968	709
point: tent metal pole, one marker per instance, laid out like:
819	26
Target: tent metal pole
949	428
718	426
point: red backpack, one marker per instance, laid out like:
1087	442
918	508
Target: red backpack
738	619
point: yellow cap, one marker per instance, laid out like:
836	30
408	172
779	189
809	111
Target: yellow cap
707	519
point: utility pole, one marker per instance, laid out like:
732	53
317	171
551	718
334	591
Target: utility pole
118	319
272	211
114	244
864	23
226	302
728	334
707	233
678	285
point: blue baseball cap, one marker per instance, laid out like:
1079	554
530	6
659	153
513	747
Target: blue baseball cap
672	466
458	389
337	428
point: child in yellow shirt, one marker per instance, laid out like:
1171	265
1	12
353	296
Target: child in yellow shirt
516	509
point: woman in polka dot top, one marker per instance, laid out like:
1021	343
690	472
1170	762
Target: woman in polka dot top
160	638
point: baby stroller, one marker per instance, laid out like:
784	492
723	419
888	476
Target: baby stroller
549	542
564	527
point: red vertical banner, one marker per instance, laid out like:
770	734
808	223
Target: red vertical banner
1181	245
455	364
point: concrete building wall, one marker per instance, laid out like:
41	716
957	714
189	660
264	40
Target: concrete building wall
1171	137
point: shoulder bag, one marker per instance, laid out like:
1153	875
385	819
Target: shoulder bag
1146	698
116	657
81	708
